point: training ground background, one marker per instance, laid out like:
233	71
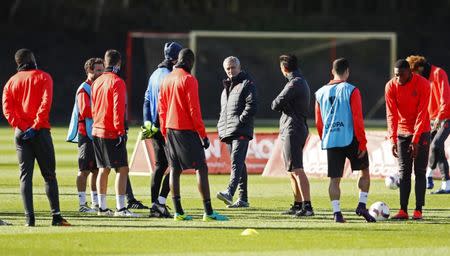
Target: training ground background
278	234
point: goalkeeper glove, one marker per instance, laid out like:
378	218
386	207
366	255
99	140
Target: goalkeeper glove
148	130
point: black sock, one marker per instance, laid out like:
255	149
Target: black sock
208	207
298	204
177	205
418	208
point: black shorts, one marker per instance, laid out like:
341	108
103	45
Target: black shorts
293	150
107	155
185	150
336	159
86	155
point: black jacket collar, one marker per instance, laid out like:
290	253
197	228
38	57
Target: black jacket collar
235	80
294	74
166	64
26	66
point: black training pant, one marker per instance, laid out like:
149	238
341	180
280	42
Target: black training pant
406	163
38	148
161	164
238	177
437	152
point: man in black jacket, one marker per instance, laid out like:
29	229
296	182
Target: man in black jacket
235	126
293	103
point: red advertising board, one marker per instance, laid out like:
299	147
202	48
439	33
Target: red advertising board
218	159
264	156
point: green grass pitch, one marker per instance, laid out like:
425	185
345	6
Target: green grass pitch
278	235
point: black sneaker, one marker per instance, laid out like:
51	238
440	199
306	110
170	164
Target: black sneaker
135	204
305	212
430	183
440	191
239	204
30	221
58	220
362	211
225	197
338	217
293	210
160	211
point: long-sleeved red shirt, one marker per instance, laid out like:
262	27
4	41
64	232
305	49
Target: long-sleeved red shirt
27	99
407	108
84	107
108	106
439	107
179	104
358	121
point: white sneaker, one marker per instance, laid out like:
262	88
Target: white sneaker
95	207
85	209
107	212
124	212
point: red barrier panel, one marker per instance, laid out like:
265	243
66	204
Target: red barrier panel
259	151
265	156
218	159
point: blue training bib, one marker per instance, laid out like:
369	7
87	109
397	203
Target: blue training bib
336	112
72	134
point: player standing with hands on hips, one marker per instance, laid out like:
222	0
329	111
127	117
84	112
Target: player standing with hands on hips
407	97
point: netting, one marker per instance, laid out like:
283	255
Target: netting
371	56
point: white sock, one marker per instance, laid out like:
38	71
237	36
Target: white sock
429	172
120	202
94	198
102	201
162	200
336	206
82	197
445	185
363	197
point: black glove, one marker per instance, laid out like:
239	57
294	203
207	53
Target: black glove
121	139
29	133
206	142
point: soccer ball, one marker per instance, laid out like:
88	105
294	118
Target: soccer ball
392	181
379	210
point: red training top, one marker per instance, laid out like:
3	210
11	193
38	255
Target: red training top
179	104
407	108
108	106
439	107
358	121
84	107
27	99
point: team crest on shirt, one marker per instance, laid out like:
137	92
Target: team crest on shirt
331	100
